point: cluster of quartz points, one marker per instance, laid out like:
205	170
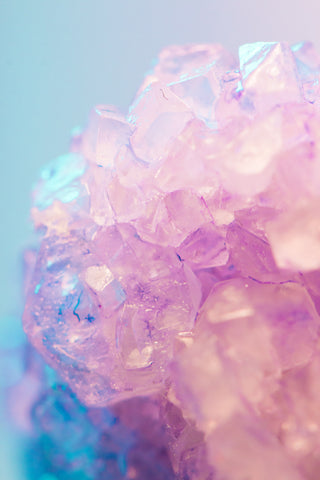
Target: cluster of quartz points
179	263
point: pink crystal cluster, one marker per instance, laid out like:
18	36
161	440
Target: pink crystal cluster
180	258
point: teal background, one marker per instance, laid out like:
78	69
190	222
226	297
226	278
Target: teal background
60	57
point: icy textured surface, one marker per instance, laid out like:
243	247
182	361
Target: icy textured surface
179	264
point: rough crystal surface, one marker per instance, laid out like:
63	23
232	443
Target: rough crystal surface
178	271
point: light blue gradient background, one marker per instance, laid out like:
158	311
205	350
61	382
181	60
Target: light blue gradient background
60	57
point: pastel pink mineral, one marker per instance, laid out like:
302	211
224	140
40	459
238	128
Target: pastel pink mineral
180	259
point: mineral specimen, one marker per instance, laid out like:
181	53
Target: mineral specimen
179	265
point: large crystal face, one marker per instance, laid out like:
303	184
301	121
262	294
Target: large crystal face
180	259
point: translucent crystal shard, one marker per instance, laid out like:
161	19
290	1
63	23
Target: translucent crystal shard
106	133
270	67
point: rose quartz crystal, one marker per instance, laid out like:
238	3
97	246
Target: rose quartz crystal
180	258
